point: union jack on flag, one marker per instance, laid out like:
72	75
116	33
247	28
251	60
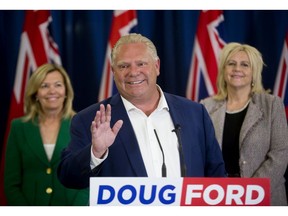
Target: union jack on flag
123	23
204	64
280	86
36	48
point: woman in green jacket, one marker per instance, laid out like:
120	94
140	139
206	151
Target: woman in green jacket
36	140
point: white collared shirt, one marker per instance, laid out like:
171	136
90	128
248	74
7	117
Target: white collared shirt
144	126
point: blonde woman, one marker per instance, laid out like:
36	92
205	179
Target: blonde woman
36	140
250	123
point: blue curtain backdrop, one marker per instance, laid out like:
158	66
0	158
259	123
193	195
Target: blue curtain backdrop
82	39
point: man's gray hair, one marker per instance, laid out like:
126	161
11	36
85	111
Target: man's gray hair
133	38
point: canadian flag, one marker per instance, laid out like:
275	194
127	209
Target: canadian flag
36	48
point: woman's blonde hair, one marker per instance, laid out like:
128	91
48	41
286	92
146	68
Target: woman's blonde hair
32	107
256	62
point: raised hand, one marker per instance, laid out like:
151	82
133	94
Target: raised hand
102	134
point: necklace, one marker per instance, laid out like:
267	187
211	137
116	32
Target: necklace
239	110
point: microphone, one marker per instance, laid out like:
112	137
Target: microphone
163	156
180	149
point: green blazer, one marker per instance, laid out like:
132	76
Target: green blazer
30	179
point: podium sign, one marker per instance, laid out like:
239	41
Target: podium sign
136	191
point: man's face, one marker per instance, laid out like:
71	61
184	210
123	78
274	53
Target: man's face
135	71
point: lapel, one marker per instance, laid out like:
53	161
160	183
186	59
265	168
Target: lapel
217	115
32	134
127	136
254	114
62	140
33	137
177	114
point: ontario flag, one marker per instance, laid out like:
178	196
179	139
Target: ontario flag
36	48
123	23
204	63
280	86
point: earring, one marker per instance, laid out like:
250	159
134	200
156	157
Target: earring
252	84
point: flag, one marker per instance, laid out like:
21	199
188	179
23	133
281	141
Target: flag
36	48
280	87
123	23
204	63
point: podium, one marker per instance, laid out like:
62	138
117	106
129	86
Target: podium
144	191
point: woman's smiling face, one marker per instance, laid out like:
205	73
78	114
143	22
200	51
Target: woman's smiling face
238	71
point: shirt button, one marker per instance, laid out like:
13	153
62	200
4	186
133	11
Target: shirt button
49	190
48	170
244	162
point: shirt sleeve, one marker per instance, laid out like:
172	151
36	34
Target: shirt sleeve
94	162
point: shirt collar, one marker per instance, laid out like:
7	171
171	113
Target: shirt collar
161	105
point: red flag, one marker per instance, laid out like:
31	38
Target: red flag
122	23
36	48
280	87
204	64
